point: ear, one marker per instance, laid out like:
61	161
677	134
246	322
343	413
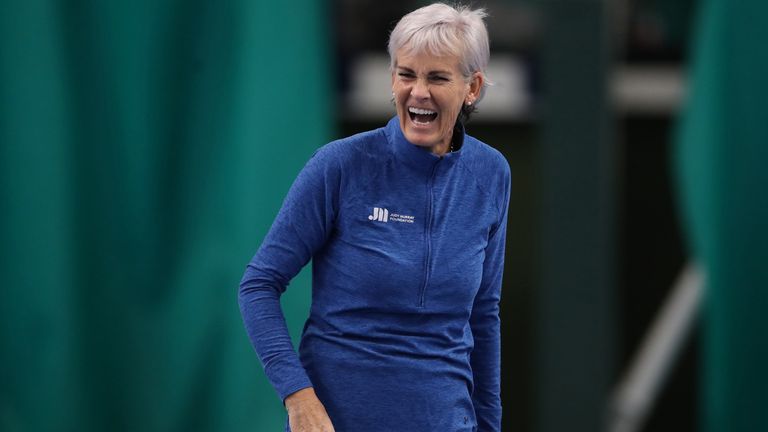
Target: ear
475	85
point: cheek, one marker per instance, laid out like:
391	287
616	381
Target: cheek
398	100
400	97
451	113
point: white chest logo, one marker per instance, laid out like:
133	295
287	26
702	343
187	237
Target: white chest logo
382	215
379	214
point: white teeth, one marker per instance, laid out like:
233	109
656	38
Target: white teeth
420	111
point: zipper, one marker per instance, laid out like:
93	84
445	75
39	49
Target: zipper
428	234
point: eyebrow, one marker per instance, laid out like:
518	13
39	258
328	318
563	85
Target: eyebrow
435	72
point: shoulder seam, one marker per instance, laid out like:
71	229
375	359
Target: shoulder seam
374	134
498	201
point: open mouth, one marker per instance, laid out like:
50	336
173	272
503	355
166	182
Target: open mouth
421	116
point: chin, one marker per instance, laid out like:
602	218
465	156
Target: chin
421	139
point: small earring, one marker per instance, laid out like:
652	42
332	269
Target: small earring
469	103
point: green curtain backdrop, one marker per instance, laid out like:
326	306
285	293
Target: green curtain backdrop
145	147
722	157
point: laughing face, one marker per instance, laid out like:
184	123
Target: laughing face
429	93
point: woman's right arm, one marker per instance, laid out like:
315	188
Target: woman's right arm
302	226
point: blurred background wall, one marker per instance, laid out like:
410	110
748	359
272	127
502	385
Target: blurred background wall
146	146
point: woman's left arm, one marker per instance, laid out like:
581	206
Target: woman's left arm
486	329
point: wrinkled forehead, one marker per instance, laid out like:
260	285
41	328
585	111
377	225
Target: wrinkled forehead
441	53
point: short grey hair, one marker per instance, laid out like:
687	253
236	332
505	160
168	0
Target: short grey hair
441	30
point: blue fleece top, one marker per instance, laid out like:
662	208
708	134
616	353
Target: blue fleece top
408	252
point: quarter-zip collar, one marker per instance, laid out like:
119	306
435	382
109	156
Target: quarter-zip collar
418	157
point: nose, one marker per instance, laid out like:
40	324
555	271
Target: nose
420	89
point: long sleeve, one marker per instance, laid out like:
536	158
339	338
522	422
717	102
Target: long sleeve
302	226
485	324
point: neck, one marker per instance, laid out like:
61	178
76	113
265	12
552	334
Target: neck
442	148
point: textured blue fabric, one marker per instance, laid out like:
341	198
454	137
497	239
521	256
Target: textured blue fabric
408	251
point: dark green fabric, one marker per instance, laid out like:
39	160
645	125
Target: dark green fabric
145	147
722	156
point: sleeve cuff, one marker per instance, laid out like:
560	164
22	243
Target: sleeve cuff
293	388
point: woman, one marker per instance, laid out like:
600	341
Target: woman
405	226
